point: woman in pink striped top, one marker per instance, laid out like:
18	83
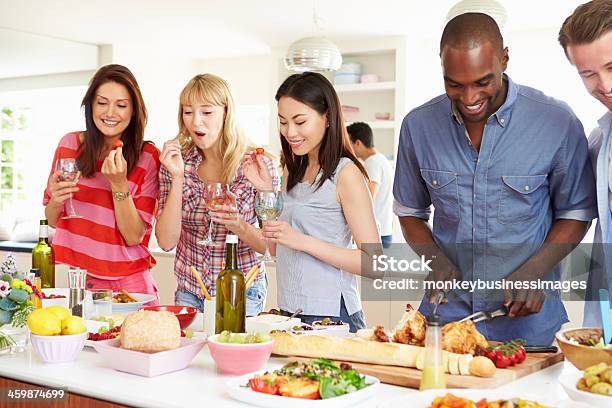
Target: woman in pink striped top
117	192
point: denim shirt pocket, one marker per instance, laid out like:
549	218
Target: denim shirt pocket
444	192
521	198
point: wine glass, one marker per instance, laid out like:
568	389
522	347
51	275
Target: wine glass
69	171
268	207
214	194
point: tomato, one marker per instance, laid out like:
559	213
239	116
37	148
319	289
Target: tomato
260	384
259	150
117	144
513	358
491	355
304	388
482	404
522	354
503	361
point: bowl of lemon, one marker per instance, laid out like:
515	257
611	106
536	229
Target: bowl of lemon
57	336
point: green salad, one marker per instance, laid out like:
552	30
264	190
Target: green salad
315	379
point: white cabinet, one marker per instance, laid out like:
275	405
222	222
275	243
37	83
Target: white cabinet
385	59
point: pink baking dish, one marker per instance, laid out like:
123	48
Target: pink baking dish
148	365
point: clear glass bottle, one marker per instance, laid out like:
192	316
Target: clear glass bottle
433	376
42	257
231	292
35	274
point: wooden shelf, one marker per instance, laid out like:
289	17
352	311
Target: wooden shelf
378	124
367	87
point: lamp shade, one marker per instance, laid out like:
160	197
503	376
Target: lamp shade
490	7
313	54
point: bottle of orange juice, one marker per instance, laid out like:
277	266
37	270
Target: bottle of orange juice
433	376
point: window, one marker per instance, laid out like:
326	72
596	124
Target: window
14	123
31	124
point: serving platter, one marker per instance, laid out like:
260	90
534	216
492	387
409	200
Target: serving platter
237	390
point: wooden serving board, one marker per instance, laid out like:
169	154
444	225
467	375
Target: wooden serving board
411	377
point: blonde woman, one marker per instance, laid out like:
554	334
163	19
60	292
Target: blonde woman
209	148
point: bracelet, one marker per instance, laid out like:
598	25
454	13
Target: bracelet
119	196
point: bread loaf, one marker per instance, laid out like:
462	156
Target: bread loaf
150	332
360	350
482	367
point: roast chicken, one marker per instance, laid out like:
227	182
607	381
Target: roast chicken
463	338
457	337
411	328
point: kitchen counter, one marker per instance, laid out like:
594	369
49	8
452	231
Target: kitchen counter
197	384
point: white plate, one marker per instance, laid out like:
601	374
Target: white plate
92	343
425	398
142	298
237	390
568	381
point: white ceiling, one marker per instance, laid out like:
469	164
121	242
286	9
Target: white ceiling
209	28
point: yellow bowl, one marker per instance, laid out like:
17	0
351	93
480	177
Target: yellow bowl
582	356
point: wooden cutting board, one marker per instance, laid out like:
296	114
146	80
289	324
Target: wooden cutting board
411	377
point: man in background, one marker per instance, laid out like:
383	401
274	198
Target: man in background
586	38
381	177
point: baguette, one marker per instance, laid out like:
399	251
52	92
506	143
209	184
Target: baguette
354	349
359	350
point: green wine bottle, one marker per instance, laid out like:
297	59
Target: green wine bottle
231	292
42	257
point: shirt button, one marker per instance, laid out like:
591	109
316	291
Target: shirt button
526	188
502	120
435	182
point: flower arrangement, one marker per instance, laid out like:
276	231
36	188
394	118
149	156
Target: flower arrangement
15	303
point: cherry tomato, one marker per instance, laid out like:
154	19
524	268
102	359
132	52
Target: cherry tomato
117	144
261	385
267	383
522	354
503	361
513	359
491	355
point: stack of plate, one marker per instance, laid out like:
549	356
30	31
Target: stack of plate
349	73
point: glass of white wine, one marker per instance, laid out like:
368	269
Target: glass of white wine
268	207
215	194
69	171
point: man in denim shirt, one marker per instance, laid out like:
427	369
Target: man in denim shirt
586	38
506	170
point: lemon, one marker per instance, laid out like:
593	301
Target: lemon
73	325
44	323
60	311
